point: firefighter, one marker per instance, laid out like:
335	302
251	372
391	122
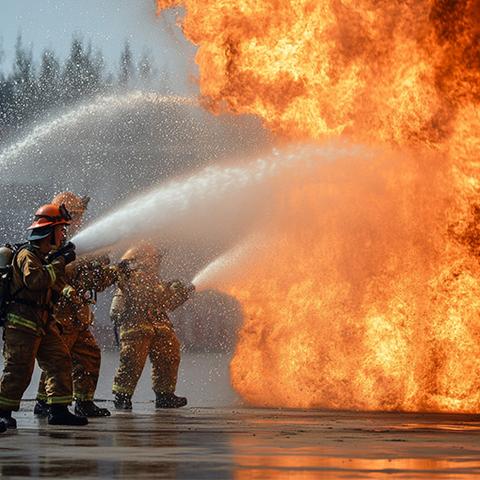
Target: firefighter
88	276
30	330
139	308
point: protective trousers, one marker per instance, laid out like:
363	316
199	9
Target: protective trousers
162	347
20	350
86	358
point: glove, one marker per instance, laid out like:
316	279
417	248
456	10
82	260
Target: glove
69	256
176	285
182	290
67	252
101	261
72	295
125	268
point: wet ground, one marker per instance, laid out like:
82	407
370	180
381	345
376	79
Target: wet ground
238	442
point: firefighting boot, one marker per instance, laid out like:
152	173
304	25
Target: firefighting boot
169	400
86	408
7	419
41	408
3	426
122	401
60	415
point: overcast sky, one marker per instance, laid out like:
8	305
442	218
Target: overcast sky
53	23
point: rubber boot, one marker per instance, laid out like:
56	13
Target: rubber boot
86	408
3	426
169	400
60	415
7	419
122	401
41	408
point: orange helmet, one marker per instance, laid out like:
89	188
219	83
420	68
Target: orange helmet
74	203
50	215
144	254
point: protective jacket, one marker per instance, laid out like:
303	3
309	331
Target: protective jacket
143	300
31	289
87	277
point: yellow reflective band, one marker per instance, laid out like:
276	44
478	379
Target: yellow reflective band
13	319
83	397
118	389
9	402
67	291
127	331
51	272
141	329
55	400
41	396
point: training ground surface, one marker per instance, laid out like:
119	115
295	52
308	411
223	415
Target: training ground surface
239	442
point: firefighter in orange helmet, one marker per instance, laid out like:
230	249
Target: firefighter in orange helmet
88	276
30	330
139	308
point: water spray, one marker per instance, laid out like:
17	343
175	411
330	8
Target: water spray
206	205
229	264
102	104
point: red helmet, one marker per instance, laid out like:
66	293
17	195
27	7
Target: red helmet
50	215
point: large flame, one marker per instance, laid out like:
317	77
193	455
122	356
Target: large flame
371	296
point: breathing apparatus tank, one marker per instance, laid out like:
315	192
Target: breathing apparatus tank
6	258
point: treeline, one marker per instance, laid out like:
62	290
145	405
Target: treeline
31	89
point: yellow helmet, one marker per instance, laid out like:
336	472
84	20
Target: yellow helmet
144	254
74	203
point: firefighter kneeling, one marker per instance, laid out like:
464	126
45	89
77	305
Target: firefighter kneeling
30	329
139	308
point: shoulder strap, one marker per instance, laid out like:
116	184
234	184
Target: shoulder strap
17	248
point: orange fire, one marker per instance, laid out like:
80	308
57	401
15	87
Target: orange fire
371	296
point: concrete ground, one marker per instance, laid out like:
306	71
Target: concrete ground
228	440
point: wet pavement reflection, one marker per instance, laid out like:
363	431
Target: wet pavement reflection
245	443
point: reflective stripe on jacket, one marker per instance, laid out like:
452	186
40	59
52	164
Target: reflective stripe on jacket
31	288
